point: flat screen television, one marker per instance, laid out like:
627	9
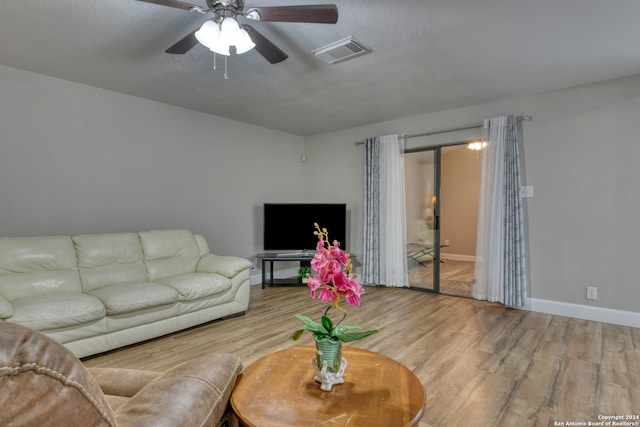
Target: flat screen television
289	226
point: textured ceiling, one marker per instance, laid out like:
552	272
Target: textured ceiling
427	55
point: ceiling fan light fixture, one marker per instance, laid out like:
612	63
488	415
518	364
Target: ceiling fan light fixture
219	38
220	48
230	31
244	43
208	34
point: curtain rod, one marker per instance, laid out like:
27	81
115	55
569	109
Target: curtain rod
416	135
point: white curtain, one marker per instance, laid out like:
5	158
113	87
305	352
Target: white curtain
500	271
384	260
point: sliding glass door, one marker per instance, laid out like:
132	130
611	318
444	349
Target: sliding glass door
441	193
422	183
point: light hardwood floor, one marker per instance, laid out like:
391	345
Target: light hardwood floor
481	364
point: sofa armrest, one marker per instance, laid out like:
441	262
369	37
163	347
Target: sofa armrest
194	393
122	382
228	266
6	309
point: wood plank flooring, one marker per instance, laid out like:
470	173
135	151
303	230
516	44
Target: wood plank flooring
481	364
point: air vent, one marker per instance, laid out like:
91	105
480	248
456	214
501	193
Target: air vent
341	50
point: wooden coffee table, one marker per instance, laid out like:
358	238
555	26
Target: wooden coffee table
279	390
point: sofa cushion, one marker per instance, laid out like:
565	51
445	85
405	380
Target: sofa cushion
107	259
6	309
26	285
37	266
100	277
128	297
169	253
45	312
25	254
96	250
197	285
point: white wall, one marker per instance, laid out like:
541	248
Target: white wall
582	155
76	159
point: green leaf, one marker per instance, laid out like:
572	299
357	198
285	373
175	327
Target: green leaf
326	330
321	337
312	326
354	336
327	323
341	329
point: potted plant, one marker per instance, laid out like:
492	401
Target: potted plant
304	272
331	283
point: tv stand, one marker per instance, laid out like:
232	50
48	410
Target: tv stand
302	254
304	257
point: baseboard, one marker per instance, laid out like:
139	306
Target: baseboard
599	314
457	257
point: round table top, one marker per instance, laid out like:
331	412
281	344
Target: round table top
279	390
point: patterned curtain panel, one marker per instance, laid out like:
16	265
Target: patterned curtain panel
384	260
500	271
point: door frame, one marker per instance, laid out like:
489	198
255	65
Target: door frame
437	188
437	157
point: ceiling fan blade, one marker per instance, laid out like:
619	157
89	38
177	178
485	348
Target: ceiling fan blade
173	3
271	52
313	13
185	44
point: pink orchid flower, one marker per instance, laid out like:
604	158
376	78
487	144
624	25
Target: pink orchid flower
331	282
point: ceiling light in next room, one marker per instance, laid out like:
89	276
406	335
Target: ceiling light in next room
477	145
341	50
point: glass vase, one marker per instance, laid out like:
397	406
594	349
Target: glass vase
329	363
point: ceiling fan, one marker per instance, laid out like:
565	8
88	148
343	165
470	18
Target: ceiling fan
246	37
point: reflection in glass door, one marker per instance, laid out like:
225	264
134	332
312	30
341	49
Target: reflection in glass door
441	196
422	217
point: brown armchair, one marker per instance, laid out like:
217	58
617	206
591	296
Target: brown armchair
44	384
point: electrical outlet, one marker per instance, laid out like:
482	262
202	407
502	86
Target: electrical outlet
526	192
592	292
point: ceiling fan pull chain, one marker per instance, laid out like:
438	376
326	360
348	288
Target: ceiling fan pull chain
226	76
214	61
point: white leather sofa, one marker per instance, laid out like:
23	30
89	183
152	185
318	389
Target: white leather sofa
98	292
